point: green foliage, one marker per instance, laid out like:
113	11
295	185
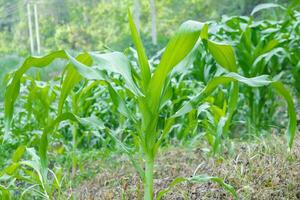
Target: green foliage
208	77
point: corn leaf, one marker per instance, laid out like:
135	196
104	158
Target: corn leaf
120	103
5	194
197	179
292	126
71	78
13	87
116	62
177	49
223	54
219	133
18	153
264	6
221	80
92	73
143	60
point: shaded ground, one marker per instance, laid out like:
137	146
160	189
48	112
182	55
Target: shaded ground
258	170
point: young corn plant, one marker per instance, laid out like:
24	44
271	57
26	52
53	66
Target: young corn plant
148	89
40	99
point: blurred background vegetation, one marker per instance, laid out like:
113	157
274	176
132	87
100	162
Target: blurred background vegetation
89	25
97	24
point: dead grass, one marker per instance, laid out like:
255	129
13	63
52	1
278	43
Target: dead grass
258	170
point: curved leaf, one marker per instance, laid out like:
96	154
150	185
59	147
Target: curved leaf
221	80
143	60
265	6
5	194
13	87
91	73
177	49
223	54
71	78
198	179
116	62
292	126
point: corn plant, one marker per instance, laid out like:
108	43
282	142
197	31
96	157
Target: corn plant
224	56
148	90
40	98
260	50
152	90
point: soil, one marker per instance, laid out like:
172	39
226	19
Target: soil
258	170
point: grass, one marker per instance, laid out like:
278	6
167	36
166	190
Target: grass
262	169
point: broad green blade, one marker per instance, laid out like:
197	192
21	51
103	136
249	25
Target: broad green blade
71	78
120	103
87	72
5	194
92	73
219	133
292	127
221	80
266	6
223	54
116	62
197	179
143	60
13	87
232	104
177	49
18	153
257	81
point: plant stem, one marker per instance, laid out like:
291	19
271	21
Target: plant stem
148	184
74	157
74	133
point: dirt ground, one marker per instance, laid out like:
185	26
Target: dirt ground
258	170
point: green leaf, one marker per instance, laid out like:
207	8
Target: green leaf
268	55
223	54
143	60
13	86
18	153
5	194
44	138
204	32
266	6
292	126
197	179
96	123
87	72
232	104
71	78
11	169
177	49
258	81
203	178
120	103
219	133
116	62
92	73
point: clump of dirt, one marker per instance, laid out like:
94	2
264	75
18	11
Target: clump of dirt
259	170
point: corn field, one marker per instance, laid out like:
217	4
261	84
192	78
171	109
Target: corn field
215	84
